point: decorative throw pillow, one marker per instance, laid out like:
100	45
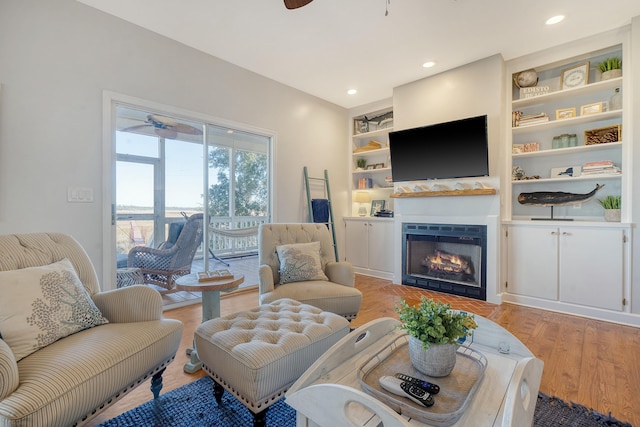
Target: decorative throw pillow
300	262
40	305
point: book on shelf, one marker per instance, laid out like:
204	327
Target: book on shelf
364	183
213	275
518	119
600	167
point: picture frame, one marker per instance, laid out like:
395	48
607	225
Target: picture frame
575	76
566	172
379	165
377	206
565	113
595	108
371	167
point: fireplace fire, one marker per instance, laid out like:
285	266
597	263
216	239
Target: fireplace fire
445	257
446	265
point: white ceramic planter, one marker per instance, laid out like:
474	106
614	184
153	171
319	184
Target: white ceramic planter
436	361
612	215
611	74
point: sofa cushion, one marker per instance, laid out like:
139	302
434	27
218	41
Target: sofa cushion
300	262
40	305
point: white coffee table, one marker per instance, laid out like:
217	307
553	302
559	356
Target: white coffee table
210	304
506	396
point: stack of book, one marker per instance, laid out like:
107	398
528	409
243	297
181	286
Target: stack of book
521	119
601	167
364	183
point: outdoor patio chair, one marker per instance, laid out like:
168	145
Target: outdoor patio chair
164	265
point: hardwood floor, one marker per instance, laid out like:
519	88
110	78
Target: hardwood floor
593	363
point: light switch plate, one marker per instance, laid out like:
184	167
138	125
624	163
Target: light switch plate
79	195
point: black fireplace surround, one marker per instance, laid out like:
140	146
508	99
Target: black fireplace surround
448	258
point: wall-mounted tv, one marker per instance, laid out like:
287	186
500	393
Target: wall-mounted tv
456	149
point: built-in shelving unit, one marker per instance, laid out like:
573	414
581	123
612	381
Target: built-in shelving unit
540	166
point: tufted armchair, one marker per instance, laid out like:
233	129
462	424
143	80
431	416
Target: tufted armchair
66	382
335	292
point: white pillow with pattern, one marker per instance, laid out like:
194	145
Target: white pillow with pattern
300	262
40	305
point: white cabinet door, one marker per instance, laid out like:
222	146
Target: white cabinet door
533	261
381	245
592	267
357	242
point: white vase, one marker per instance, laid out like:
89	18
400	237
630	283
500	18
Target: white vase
437	361
612	215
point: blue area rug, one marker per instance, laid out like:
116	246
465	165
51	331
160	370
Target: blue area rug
193	405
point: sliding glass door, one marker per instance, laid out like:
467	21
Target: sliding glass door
168	167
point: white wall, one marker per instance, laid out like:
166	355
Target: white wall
635	177
56	59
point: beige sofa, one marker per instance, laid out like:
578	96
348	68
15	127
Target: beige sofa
68	381
335	292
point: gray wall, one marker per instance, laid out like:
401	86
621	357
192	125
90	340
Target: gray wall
56	59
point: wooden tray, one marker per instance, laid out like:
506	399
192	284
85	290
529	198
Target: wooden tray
215	275
456	390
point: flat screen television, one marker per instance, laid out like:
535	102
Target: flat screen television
456	149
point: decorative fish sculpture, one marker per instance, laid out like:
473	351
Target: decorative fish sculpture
380	119
556	198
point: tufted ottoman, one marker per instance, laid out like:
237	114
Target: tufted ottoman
257	354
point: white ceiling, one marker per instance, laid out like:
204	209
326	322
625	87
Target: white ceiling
330	46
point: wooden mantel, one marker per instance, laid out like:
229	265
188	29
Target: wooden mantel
469	192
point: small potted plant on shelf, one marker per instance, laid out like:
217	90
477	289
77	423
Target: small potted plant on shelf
611	68
434	332
361	163
611	205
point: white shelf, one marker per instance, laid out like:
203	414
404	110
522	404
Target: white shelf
369	171
551	124
598	177
373	133
567	93
568	150
383	150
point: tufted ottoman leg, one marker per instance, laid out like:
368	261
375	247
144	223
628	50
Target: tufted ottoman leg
260	419
218	391
256	355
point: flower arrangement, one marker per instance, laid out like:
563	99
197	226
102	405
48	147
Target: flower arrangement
434	322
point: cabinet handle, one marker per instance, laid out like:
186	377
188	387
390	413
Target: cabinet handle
554	233
566	233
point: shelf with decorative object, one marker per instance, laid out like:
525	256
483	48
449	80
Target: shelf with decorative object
560	126
469	192
370	156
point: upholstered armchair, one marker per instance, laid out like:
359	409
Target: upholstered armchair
68	350
298	261
163	266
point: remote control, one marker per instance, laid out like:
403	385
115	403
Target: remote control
430	387
405	389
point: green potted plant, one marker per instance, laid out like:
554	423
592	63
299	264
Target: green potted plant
611	205
361	163
434	330
611	68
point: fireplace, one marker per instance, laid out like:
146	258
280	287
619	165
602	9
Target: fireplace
448	258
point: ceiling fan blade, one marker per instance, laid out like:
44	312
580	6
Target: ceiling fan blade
135	128
166	133
188	129
294	4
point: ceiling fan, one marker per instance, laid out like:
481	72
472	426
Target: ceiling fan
294	4
164	126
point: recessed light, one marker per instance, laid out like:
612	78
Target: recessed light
352	91
428	64
555	19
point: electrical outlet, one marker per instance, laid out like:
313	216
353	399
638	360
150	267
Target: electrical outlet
79	195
